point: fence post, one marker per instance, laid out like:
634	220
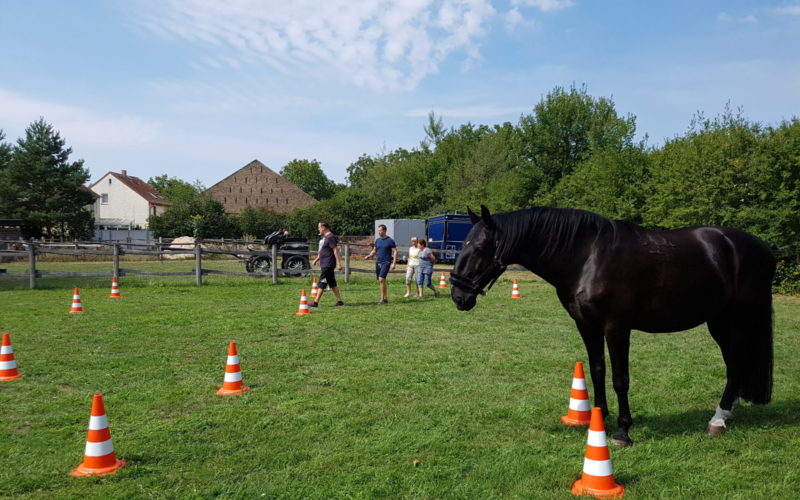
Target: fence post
116	260
274	254
32	263
198	271
347	262
160	250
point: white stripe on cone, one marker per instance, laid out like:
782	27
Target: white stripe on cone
597	439
233	360
579	404
98	449
98	423
233	377
597	468
8	365
579	383
6	349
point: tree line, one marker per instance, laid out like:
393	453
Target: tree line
572	150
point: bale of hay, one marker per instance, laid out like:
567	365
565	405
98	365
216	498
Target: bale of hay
186	242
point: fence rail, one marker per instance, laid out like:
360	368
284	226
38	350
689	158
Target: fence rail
33	250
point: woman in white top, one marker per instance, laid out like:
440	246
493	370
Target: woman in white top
413	266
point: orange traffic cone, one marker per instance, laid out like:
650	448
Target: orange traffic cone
8	365
314	288
515	291
303	309
579	412
114	289
233	374
597	479
77	307
442	281
99	457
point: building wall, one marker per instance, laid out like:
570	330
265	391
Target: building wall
124	204
256	185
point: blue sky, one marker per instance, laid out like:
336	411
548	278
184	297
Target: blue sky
197	89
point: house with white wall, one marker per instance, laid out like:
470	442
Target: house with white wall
125	201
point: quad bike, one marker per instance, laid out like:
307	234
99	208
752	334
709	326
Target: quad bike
293	253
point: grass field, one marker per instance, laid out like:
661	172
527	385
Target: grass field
343	401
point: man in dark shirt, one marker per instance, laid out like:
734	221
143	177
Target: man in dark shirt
386	251
329	259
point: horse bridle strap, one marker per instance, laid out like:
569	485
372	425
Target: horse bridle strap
486	279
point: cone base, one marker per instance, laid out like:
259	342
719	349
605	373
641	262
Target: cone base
10	377
573	422
76	312
304	313
579	488
82	471
112	296
229	392
516	297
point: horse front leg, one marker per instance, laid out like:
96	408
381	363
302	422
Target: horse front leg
619	341
593	340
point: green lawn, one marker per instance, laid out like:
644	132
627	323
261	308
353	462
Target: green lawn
343	401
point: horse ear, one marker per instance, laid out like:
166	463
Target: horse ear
487	217
473	216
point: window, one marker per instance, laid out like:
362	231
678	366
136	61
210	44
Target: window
104	198
109	180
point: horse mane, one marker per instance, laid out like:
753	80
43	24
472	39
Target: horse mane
548	231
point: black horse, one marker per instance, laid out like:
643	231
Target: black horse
613	277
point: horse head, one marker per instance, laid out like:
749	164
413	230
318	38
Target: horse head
478	265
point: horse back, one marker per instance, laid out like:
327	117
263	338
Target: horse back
663	281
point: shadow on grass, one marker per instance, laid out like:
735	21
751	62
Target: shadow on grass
775	415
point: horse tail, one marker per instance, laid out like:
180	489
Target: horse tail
752	350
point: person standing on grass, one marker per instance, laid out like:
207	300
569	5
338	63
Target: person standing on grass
412	269
329	259
386	259
426	260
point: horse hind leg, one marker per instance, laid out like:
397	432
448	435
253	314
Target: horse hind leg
721	331
744	335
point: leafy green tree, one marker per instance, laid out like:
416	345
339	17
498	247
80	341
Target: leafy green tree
434	130
357	171
565	129
257	222
175	190
612	183
40	185
5	151
703	178
308	176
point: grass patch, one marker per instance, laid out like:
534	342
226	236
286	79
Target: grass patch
344	400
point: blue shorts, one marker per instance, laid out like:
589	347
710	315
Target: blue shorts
424	278
382	269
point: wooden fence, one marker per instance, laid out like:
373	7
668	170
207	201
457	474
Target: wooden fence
33	250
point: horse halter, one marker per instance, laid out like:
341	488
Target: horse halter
486	279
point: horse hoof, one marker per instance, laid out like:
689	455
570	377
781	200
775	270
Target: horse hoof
621	442
715	430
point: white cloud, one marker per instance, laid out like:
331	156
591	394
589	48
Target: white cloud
544	5
513	19
479	111
75	124
383	45
727	18
792	10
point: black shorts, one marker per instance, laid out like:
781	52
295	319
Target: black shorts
327	277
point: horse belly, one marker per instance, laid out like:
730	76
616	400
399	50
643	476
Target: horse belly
674	312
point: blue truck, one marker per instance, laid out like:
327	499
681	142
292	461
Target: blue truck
447	232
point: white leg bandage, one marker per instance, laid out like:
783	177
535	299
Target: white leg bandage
720	416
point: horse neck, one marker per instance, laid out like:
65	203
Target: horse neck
560	266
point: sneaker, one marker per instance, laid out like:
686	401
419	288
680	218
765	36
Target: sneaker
383	301
406	295
436	293
312	304
340	303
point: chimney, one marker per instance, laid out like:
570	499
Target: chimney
124	173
